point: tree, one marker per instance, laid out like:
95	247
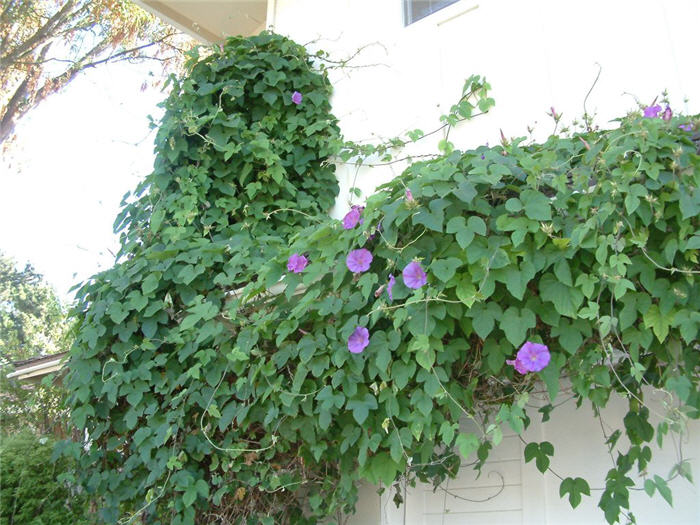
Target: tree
32	320
45	44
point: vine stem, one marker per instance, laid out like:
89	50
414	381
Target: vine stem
470	416
396	248
417	301
148	504
222	449
270	214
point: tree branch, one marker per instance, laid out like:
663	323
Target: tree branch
42	35
14	108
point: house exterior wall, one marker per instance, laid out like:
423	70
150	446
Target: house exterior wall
536	55
510	491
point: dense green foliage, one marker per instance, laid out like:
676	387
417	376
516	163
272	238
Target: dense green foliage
239	168
32	321
35	407
31	493
218	401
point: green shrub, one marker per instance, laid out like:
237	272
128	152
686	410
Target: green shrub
30	492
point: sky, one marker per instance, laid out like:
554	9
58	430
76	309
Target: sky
75	157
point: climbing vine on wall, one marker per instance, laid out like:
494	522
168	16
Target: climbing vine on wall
249	359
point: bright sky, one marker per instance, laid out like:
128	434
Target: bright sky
76	155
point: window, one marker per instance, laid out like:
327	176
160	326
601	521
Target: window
414	10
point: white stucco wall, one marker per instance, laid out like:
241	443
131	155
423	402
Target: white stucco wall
535	54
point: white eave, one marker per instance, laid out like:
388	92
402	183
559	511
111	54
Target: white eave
210	21
40	369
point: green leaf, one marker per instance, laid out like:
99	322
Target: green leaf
566	299
537	205
456	224
384	468
361	407
467	444
514	205
466	292
117	313
563	272
402	372
444	269
574	487
157	219
663	489
434	217
541	453
531	451
270	96
551	374
477	225
649	487
689	202
189	496
693	243
658	322
150	284
465	192
515	324
483	319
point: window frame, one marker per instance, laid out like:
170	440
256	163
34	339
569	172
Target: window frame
406	8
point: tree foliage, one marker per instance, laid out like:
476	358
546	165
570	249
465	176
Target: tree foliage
37	408
205	397
32	320
45	44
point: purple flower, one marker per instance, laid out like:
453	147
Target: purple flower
686	127
297	263
296	98
668	114
532	357
483	157
359	260
358	340
652	111
352	218
414	276
409	196
390	286
517	364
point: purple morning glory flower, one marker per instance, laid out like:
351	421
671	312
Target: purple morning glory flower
483	156
296	98
409	196
352	218
390	286
358	261
358	340
686	127
297	263
518	365
414	276
652	111
532	357
668	114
